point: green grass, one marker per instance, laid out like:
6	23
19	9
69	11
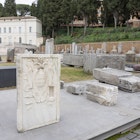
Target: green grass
70	74
7	64
98	35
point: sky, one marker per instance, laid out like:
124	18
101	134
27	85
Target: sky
29	2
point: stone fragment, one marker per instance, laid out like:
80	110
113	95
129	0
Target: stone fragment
76	89
38	90
130	83
92	61
102	93
73	60
136	67
61	84
109	75
10	55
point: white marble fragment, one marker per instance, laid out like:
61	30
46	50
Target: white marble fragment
130	84
38	90
102	93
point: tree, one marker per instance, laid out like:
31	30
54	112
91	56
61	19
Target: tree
23	9
68	9
134	7
10	8
88	10
118	9
50	14
34	9
1	10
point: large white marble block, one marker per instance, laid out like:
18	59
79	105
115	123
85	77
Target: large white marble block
131	83
109	75
38	90
102	93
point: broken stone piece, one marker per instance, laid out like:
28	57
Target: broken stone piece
102	93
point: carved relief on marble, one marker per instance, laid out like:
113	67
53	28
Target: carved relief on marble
39	85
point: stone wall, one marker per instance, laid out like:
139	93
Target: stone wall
126	45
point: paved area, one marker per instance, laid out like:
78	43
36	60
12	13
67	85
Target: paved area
81	119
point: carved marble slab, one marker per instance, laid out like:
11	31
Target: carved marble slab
38	89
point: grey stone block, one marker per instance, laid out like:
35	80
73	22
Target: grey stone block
61	84
130	83
76	89
74	60
92	61
131	136
137	131
109	75
102	93
123	138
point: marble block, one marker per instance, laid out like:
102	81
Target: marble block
130	84
102	93
76	89
109	75
38	90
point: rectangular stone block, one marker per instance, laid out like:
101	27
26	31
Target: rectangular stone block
130	84
102	93
109	75
38	90
74	60
92	61
76	89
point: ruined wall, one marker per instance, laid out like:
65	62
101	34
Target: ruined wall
126	45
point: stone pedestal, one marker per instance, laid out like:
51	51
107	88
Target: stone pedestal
102	93
109	75
130	84
38	89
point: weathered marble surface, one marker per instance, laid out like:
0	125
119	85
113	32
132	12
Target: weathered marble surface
38	87
76	89
74	60
92	61
102	93
109	75
130	84
49	46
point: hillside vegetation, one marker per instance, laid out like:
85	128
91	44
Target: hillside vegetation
98	35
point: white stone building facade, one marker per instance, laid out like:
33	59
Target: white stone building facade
24	30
